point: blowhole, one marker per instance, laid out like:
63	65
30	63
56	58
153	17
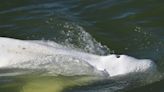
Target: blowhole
117	56
23	48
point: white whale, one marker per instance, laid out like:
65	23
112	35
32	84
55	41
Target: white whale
27	54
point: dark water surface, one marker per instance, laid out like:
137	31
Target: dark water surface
132	27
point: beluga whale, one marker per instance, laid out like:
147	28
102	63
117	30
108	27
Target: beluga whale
58	59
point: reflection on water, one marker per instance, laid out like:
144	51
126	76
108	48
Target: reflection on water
32	83
51	84
38	83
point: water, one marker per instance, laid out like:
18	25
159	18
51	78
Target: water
129	27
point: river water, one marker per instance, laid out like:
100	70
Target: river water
132	27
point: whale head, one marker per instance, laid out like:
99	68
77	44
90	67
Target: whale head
123	64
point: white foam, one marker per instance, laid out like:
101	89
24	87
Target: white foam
57	59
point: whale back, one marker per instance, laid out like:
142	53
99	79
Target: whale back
50	57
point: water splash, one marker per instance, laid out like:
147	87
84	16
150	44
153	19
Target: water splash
74	36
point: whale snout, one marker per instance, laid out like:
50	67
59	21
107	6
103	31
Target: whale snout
139	65
123	64
148	66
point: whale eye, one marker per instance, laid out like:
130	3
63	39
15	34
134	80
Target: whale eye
117	56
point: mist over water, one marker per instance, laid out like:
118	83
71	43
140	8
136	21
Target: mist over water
127	27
